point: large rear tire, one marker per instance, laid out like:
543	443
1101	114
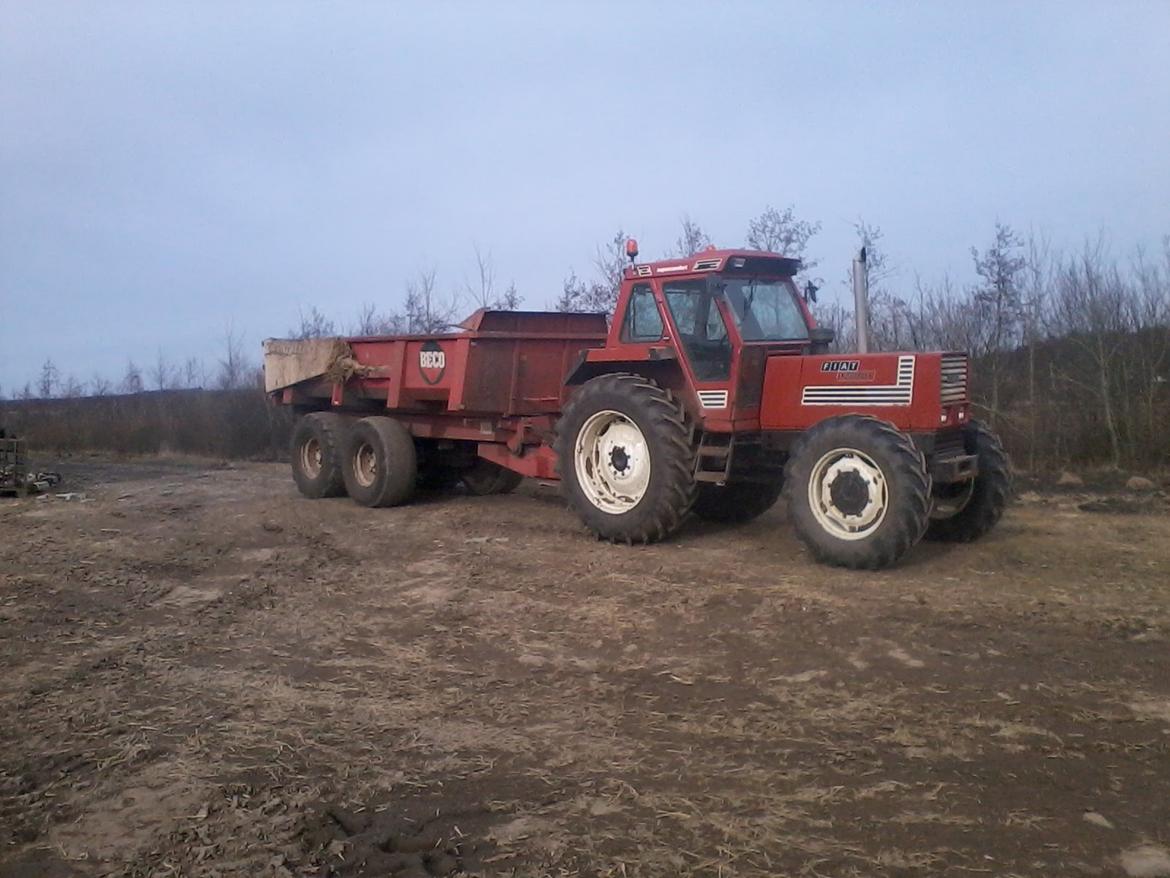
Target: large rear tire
315	453
626	458
984	500
380	464
737	503
485	477
858	492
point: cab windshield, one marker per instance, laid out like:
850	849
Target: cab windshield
765	310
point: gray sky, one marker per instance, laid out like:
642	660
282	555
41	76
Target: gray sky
167	170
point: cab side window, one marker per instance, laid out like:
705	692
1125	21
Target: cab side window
643	322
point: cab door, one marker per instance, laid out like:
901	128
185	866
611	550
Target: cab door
710	349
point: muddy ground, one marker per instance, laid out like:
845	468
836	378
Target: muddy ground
204	674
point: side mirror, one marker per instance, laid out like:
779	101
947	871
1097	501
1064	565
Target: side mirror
820	338
810	292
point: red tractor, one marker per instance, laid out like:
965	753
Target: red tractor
711	392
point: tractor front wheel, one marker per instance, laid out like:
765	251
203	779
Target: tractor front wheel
966	512
858	492
380	464
626	458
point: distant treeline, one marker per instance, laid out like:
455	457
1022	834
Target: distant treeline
1070	351
237	423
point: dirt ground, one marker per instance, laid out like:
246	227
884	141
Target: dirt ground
205	674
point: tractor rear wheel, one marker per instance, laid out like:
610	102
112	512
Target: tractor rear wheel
485	477
315	452
737	503
858	492
380	464
626	458
977	506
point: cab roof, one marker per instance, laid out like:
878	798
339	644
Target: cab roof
734	261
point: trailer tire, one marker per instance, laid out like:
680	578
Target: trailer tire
990	492
315	452
485	477
626	457
737	503
858	492
380	464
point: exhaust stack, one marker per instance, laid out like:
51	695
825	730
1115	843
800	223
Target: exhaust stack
861	301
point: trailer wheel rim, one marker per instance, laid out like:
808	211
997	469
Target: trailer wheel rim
365	465
312	457
847	493
612	462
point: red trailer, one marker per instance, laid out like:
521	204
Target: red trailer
711	392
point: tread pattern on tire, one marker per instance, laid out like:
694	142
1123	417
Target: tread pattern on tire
397	466
993	490
329	430
670	434
907	481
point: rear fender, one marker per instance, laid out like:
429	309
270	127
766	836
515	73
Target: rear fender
664	371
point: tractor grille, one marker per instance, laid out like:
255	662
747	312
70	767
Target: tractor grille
954	379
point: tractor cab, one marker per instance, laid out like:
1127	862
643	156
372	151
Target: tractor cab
716	315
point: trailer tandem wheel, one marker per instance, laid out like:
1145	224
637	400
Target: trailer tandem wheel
858	492
380	464
315	453
626	458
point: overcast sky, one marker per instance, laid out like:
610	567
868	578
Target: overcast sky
168	170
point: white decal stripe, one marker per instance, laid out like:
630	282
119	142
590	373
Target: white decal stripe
713	399
899	393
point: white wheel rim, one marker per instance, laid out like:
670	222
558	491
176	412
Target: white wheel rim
365	465
847	494
612	462
311	458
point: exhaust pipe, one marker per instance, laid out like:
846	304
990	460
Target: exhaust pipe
861	301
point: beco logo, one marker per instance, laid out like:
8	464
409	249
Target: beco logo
432	362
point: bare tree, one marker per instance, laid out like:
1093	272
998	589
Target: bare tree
71	388
313	325
999	299
132	380
160	373
691	238
511	300
194	375
428	311
371	321
481	290
1150	317
234	370
1035	282
47	384
599	295
99	386
781	232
